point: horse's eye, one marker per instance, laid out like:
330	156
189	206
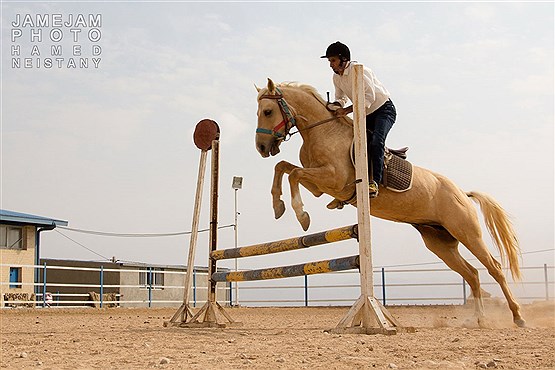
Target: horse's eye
267	112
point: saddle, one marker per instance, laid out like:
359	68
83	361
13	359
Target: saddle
397	171
401	152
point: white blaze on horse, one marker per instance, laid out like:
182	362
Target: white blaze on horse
442	213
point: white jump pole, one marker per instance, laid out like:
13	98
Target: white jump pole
363	197
366	312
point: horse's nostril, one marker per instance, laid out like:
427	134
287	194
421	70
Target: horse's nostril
262	148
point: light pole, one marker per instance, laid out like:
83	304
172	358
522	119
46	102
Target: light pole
236	185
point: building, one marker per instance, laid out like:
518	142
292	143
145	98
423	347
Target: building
19	252
78	283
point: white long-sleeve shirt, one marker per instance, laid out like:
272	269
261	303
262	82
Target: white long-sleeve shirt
375	94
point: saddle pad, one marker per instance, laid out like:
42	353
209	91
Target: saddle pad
397	175
397	172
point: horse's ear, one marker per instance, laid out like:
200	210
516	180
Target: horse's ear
257	88
271	86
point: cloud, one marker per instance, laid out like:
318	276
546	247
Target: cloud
532	85
480	12
233	126
216	24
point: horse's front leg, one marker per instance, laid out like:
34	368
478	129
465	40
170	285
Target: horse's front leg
284	167
311	178
281	168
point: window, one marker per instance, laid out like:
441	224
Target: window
11	237
154	276
15	277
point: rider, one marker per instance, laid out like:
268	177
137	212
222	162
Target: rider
380	111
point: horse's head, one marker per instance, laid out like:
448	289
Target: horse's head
274	120
301	106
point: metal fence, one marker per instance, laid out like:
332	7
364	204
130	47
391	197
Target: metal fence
393	286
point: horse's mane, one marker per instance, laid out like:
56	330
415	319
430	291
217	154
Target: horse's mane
307	88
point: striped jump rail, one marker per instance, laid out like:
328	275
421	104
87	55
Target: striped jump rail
324	237
311	268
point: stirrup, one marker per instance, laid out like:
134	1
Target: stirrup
373	189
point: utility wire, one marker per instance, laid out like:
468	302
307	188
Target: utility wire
469	259
154	235
76	242
137	235
101	233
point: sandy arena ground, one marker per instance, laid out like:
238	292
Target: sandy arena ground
275	338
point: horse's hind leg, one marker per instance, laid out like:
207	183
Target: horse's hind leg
445	246
462	222
479	249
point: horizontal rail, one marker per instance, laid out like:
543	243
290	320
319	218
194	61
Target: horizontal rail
324	237
539	284
339	264
349	300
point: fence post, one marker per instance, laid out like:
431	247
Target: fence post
149	276
464	291
306	290
194	288
101	286
383	285
230	294
546	281
44	286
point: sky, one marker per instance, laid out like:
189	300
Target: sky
109	147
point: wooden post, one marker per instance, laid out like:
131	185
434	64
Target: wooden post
206	137
210	315
366	312
184	312
363	197
212	308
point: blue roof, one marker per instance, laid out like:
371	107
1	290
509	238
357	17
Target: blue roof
24	218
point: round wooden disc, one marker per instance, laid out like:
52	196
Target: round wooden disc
205	132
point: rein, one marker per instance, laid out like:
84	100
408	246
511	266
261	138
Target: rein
318	123
289	121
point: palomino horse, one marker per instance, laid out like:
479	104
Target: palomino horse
435	206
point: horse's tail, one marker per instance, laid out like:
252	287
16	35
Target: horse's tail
501	230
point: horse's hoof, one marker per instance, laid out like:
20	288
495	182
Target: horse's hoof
483	323
336	203
304	220
520	323
279	209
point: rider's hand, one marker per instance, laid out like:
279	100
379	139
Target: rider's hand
332	107
340	112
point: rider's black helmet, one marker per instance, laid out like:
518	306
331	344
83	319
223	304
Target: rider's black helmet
338	49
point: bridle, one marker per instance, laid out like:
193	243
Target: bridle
288	121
